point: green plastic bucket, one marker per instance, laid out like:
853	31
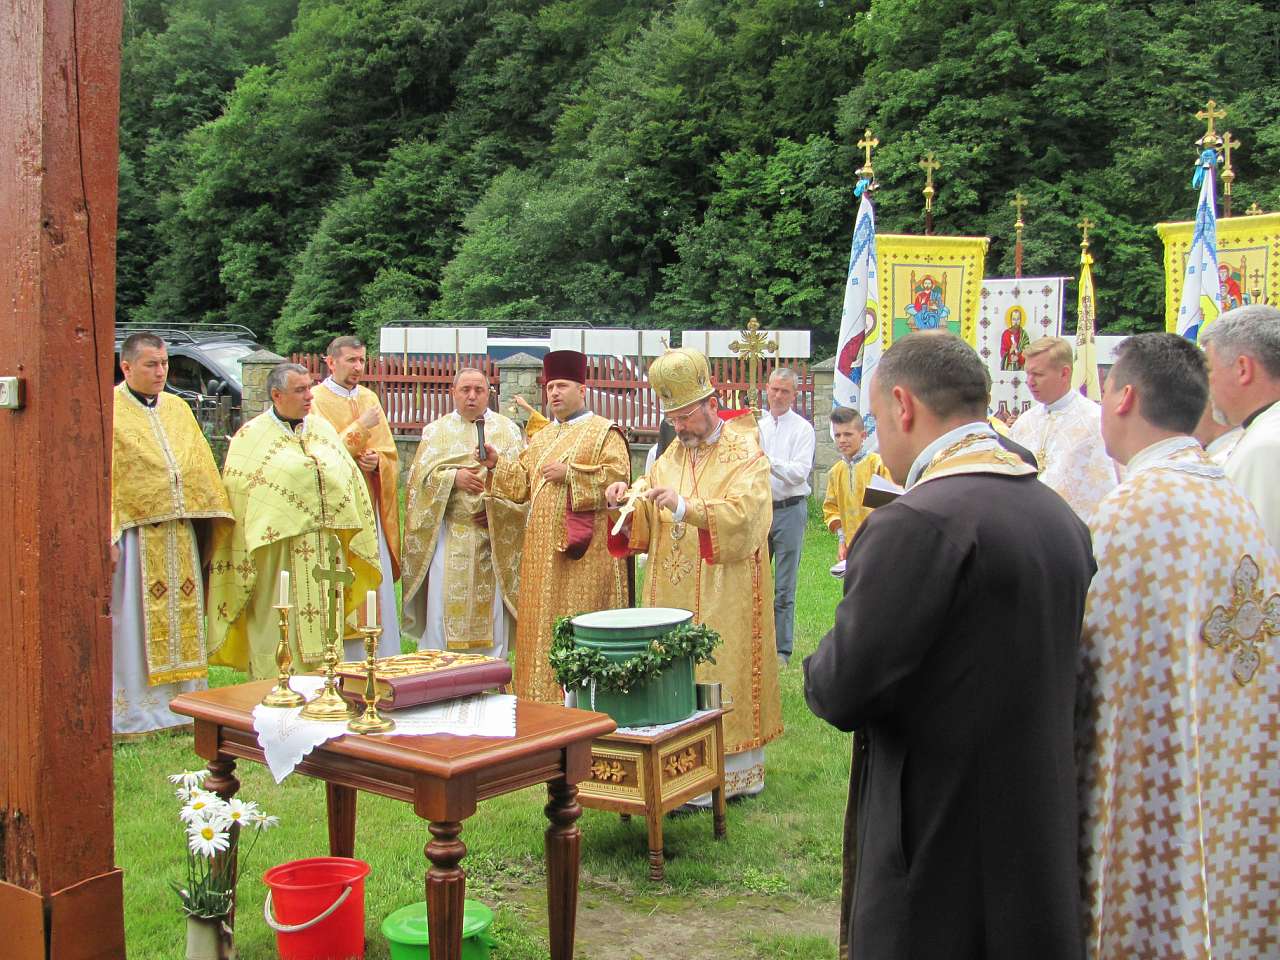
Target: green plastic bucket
406	932
621	634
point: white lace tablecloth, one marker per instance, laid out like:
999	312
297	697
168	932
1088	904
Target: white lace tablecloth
285	737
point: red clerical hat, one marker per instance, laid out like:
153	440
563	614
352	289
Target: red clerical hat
564	365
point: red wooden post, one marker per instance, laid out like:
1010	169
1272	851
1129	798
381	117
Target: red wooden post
60	893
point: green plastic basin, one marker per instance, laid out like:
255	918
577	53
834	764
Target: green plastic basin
621	634
406	932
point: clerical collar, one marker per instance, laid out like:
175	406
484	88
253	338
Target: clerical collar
584	412
147	400
926	455
338	388
1251	417
289	424
1061	403
1160	450
1165	453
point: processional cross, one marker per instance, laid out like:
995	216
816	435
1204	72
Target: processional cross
1018	203
1209	114
868	143
928	163
1228	175
1084	324
754	345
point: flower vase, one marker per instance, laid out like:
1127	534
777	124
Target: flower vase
210	938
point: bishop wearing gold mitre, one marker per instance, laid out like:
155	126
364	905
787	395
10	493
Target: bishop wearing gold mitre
357	415
293	489
462	545
566	568
704	522
163	482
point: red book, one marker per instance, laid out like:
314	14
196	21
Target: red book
428	676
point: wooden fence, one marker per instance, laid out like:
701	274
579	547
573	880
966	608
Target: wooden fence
415	394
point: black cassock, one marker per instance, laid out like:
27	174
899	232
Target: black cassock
954	657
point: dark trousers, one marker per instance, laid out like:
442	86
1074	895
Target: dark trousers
786	539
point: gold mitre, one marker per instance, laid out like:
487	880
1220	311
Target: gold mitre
681	377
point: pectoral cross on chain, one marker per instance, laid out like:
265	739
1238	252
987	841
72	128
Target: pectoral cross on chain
338	577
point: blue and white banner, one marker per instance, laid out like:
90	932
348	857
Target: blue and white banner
1201	289
861	344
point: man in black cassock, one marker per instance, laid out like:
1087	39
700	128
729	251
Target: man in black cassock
954	656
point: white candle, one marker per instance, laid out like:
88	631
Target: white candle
284	588
371	609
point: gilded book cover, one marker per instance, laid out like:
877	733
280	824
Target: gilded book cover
427	676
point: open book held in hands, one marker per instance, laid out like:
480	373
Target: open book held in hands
880	491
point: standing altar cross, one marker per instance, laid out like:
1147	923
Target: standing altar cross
754	345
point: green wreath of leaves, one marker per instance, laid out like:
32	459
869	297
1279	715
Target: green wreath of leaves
575	666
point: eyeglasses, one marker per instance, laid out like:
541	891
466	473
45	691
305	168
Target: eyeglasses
679	420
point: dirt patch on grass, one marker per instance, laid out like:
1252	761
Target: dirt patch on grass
618	926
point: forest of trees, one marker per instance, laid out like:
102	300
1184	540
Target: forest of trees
306	167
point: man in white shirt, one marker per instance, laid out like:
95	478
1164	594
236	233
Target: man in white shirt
788	441
1065	430
1243	350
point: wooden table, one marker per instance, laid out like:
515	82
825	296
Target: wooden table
652	773
444	777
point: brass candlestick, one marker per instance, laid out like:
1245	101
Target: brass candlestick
371	721
282	695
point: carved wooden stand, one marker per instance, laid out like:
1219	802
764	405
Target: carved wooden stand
650	775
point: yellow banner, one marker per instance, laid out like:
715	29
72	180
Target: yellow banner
930	283
1248	262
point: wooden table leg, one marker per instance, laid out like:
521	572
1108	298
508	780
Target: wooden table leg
222	777
718	811
657	867
564	842
446	890
341	803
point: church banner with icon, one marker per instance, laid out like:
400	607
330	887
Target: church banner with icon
1012	313
1248	261
929	283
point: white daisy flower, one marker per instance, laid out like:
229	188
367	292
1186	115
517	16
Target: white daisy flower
207	838
189	779
202	805
261	821
241	811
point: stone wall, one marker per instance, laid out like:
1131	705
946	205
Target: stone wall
826	455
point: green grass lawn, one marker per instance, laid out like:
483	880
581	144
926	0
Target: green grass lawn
783	845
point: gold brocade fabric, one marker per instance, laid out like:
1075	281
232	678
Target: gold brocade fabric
1178	719
384	486
845	490
162	476
474	555
727	494
551	584
286	489
1068	446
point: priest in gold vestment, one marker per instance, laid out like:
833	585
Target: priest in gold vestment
1179	691
293	489
163	477
566	568
705	525
462	546
362	426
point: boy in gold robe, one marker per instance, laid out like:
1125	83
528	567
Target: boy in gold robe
843	510
163	477
293	489
566	568
462	547
357	415
705	522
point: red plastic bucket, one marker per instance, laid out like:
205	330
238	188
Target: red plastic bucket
316	908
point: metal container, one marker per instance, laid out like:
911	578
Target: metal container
621	634
708	696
